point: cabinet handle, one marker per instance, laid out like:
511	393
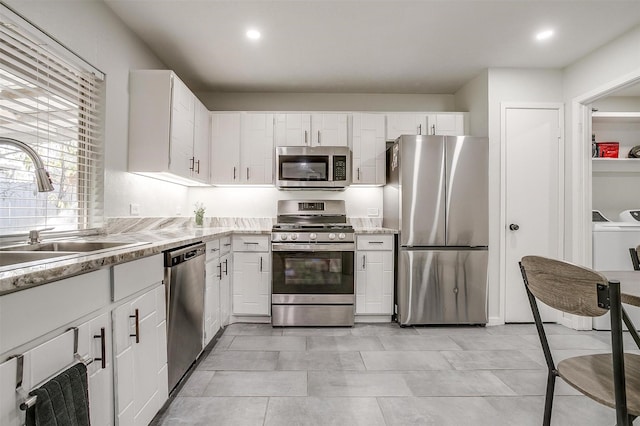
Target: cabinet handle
137	317
358	173
376	242
251	243
306	137
192	162
433	129
228	244
364	261
260	263
234	172
198	167
419	129
220	270
213	250
318	137
247	173
226	267
103	347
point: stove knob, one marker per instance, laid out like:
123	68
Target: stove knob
342	236
332	236
294	237
313	236
283	236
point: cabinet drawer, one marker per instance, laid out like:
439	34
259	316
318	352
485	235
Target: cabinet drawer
374	242
250	243
213	250
225	245
131	277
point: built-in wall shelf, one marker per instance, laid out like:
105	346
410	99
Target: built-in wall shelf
603	165
614	116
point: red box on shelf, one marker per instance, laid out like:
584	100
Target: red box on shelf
608	149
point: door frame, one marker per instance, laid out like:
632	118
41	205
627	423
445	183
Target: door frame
504	106
582	204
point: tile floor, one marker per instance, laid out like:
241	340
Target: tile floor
384	375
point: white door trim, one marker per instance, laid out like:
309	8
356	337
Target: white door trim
504	106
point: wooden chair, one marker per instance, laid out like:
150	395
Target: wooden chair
580	291
635	261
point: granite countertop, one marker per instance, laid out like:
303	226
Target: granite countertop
143	243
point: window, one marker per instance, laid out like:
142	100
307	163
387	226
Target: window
53	101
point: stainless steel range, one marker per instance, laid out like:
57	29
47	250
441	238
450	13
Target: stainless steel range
313	250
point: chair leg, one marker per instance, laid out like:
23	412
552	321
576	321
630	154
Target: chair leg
548	400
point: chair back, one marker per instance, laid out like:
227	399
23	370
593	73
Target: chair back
564	286
635	259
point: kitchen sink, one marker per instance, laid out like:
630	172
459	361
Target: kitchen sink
19	257
67	246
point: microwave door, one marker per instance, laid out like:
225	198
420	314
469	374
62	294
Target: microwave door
304	169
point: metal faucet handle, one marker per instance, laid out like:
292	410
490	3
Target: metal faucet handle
34	235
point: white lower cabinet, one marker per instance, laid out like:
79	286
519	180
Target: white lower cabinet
55	355
225	289
213	273
140	357
140	341
251	275
374	275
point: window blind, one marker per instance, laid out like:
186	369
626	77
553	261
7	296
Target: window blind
54	102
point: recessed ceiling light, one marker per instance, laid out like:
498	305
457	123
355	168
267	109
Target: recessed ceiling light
544	35
253	34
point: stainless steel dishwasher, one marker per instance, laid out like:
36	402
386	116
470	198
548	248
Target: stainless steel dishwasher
185	283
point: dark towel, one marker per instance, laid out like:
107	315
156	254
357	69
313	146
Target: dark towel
62	401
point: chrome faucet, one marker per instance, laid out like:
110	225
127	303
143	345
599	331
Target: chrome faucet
42	176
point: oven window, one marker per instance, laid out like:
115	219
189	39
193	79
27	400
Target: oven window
310	271
312	168
313	272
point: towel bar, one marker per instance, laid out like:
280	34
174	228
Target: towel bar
30	400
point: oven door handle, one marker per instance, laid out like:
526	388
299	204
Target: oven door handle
313	247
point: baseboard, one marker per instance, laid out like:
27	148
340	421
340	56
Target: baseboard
258	319
493	321
372	318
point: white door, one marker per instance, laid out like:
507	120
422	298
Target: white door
329	130
533	208
293	130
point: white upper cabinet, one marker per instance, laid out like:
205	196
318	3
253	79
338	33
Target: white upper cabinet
256	148
425	123
329	129
166	133
368	138
225	148
320	129
293	129
202	128
242	148
446	124
404	123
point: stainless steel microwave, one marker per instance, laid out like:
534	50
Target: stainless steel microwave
322	167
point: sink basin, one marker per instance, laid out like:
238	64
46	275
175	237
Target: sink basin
20	257
67	246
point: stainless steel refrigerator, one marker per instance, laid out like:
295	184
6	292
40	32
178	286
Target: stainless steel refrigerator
437	197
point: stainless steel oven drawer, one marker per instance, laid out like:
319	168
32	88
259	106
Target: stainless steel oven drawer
312	315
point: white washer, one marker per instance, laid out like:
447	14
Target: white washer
611	244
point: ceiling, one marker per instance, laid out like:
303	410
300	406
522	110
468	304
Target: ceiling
360	46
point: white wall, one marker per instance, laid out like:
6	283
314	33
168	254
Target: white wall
618	103
92	31
509	85
262	202
473	97
222	101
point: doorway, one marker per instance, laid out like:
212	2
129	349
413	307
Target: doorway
532	188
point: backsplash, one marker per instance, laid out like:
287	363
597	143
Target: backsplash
119	225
